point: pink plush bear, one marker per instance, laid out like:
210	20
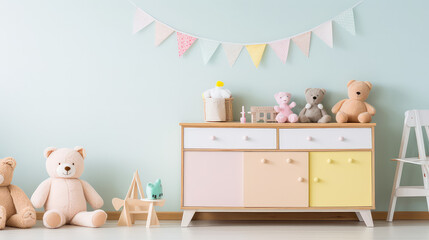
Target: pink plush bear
64	195
285	110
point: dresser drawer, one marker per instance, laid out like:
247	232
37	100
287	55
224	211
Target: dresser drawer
229	138
325	138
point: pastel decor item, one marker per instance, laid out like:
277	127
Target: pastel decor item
262	114
208	48
243	115
184	42
303	42
162	32
256	52
347	20
284	109
134	206
217	104
355	109
281	48
324	32
15	207
217	92
141	20
154	190
232	52
313	112
64	195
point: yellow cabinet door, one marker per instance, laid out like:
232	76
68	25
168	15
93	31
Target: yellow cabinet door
340	179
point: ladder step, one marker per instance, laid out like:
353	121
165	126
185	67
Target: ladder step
412	191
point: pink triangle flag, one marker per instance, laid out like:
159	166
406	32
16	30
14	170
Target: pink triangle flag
162	32
184	42
141	20
281	48
303	42
324	32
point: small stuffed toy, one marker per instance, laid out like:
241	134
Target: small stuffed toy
284	109
64	195
313	112
154	190
355	109
15	207
217	92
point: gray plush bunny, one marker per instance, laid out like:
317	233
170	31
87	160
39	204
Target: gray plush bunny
313	112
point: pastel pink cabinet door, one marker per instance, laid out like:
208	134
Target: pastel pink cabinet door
213	179
275	179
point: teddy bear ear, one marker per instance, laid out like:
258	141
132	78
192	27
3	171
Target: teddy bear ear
81	151
323	90
369	84
350	82
9	161
306	90
48	151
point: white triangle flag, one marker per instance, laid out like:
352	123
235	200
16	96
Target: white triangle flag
232	52
162	32
324	32
141	20
208	48
303	42
347	20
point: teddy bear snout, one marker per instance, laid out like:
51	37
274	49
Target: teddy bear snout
67	168
358	93
314	97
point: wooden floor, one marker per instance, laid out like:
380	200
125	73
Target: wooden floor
223	230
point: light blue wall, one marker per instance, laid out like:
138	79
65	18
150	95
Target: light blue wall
71	73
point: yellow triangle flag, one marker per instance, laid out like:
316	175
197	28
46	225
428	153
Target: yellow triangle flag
256	51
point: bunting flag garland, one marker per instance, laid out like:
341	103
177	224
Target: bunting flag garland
324	32
303	42
281	48
346	20
141	20
208	48
256	50
162	32
232	52
184	42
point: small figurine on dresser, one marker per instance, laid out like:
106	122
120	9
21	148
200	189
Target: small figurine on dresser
284	109
313	112
355	109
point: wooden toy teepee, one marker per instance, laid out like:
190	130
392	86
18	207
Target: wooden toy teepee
135	207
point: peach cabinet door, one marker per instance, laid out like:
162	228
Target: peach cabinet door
275	179
213	179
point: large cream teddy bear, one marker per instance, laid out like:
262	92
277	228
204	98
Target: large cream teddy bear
355	109
64	195
15	207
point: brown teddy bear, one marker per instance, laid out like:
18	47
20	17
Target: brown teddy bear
355	109
15	207
313	111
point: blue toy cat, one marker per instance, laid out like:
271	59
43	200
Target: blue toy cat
154	190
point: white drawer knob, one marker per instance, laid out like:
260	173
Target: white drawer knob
245	138
329	160
316	179
300	179
309	138
263	160
288	160
341	138
350	160
212	138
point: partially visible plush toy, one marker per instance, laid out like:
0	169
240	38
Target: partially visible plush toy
15	207
284	109
217	92
154	190
355	109
313	112
64	195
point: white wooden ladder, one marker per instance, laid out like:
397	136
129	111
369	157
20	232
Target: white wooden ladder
418	119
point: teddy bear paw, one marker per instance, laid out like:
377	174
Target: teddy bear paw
28	217
320	106
2	217
308	105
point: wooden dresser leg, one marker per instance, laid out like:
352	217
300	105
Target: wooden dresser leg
367	217
187	217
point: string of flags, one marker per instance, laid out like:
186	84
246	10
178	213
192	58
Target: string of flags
256	50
